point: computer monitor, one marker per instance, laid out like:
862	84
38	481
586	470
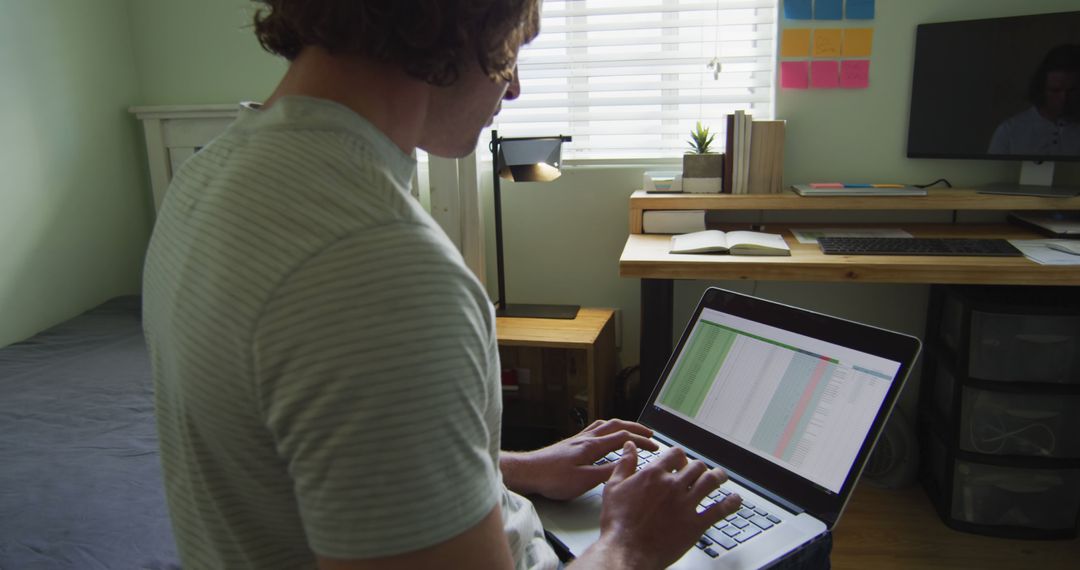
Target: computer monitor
1000	88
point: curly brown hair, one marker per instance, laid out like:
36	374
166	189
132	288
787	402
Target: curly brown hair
430	39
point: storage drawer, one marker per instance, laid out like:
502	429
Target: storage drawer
998	500
1011	423
1008	496
1010	334
1001	423
1024	348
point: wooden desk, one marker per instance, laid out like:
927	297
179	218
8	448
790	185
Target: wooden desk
646	256
564	364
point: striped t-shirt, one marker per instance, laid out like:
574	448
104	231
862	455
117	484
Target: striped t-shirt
325	364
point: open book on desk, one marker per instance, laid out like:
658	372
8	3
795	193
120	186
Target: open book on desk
735	243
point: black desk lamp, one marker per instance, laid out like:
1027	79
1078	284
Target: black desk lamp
525	159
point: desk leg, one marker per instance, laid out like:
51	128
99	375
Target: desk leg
657	297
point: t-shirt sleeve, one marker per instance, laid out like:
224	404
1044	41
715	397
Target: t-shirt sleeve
999	143
376	378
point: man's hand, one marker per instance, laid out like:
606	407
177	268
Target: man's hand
565	469
650	517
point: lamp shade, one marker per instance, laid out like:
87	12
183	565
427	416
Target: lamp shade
530	159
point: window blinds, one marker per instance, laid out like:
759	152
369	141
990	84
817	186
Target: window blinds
629	78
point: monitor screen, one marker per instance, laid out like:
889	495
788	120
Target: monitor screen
1001	88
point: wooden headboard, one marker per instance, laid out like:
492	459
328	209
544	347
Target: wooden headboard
174	133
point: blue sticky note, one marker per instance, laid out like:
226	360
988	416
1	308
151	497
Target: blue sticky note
860	9
829	10
798	10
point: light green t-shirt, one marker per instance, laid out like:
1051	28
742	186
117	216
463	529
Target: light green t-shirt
325	364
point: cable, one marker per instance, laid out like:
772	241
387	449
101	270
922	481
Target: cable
998	434
939	180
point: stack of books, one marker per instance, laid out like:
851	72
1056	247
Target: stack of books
755	155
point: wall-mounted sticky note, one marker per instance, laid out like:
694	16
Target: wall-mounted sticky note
858	42
860	9
827	42
825	74
829	9
855	73
794	75
798	10
795	43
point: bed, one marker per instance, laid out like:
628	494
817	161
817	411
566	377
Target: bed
80	476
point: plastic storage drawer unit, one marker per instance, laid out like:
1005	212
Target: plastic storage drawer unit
1000	410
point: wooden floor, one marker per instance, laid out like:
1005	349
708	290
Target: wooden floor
898	528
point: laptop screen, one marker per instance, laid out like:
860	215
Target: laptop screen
788	401
797	401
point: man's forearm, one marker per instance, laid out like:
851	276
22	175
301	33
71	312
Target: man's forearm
518	472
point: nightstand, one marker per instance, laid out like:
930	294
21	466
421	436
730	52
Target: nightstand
557	374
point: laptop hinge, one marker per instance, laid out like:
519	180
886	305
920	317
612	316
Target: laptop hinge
734	476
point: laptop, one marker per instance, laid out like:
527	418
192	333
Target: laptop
788	401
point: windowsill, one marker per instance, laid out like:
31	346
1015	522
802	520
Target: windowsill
597	163
672	163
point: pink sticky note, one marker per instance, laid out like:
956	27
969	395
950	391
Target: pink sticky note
794	75
855	73
825	74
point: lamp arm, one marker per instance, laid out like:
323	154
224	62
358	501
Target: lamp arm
500	303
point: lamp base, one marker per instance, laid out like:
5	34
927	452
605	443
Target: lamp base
539	311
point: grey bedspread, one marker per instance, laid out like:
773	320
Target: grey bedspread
80	477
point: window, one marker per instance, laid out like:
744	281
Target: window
629	78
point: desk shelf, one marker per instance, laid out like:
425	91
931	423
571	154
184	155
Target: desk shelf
936	199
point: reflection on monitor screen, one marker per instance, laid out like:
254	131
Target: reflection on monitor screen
1002	88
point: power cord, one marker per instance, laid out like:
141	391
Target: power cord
993	439
947	184
938	181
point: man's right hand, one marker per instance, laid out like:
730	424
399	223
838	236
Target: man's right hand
650	517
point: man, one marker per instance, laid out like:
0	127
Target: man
325	364
1051	125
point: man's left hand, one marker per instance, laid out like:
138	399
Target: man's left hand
566	469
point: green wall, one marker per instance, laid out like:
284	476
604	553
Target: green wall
563	239
74	217
200	52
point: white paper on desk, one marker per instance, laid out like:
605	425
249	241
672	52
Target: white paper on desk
1037	251
810	235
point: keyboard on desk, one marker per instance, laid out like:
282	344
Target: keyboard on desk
737	528
993	247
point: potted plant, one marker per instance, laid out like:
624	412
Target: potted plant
700	161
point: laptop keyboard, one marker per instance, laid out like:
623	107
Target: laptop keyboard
737	528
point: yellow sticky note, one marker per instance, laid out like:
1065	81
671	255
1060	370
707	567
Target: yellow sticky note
795	43
858	42
827	42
